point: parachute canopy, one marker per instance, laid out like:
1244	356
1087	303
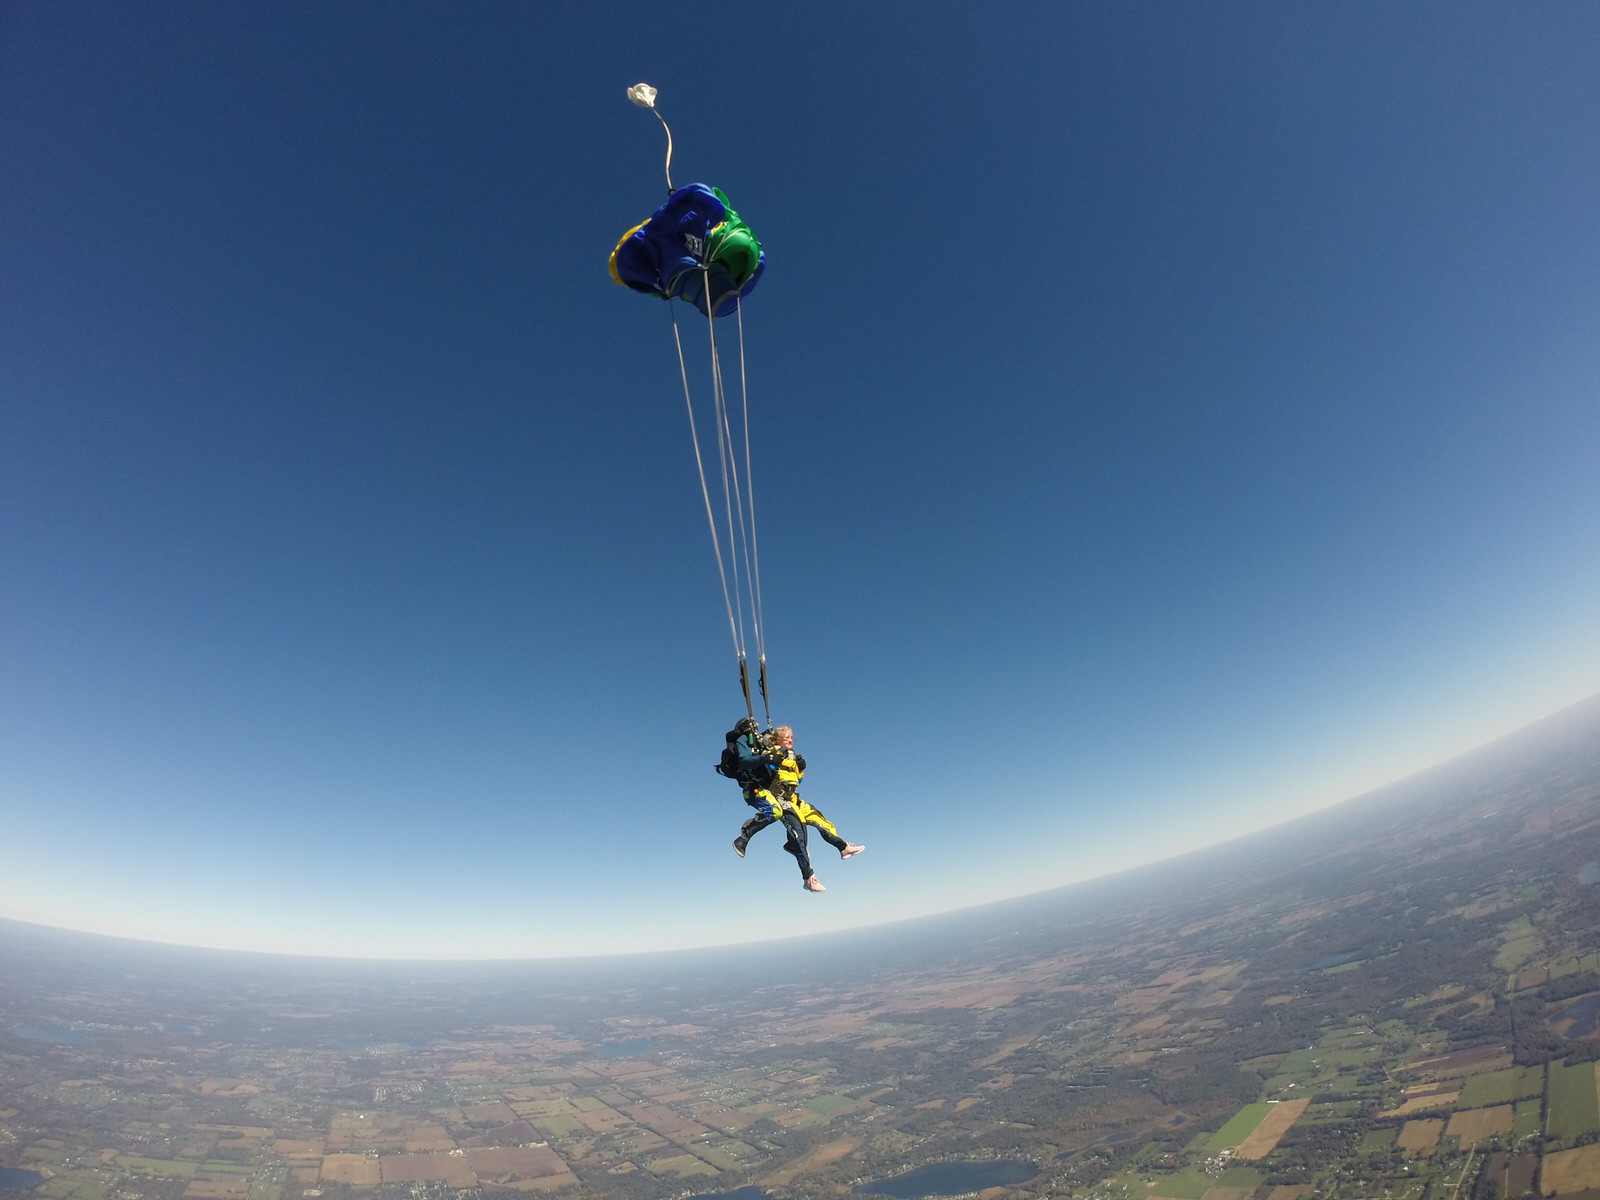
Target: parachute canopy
694	247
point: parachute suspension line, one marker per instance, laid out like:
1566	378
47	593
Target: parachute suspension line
732	501
705	491
732	497
740	499
750	492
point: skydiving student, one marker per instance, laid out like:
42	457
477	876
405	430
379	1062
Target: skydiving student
771	783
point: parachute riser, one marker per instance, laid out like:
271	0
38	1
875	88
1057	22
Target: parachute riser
744	686
766	705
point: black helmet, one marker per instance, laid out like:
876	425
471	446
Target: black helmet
746	725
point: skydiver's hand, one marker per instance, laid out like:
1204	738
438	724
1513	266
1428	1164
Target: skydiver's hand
746	727
800	761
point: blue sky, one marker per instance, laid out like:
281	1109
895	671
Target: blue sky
1171	418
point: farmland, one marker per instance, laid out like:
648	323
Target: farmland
1387	1002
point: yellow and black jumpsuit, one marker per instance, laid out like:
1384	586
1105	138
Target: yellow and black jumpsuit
779	800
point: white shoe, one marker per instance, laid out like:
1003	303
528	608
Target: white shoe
849	849
813	884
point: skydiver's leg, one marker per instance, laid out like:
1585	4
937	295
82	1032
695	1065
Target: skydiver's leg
796	844
813	816
767	809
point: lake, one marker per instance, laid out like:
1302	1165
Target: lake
45	1033
951	1179
1584	1013
18	1179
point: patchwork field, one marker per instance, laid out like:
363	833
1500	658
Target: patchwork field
1240	1127
1569	1171
1420	1138
1323	1026
1574	1101
1474	1125
1502	1087
1266	1136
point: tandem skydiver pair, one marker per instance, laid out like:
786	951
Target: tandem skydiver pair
768	772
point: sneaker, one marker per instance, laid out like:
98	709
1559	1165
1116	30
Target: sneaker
849	849
739	844
813	884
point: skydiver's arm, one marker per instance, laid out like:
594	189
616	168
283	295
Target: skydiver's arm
750	759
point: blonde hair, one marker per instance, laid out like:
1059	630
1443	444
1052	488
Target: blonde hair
781	730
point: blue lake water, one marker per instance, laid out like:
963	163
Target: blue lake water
951	1179
1584	1013
745	1193
46	1033
18	1179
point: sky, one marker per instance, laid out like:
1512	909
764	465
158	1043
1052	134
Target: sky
1170	419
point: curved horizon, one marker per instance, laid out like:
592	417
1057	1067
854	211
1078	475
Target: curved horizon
1585	710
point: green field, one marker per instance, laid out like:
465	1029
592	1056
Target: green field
1347	1037
169	1167
1182	1185
1574	1106
557	1126
1526	1122
1572	965
1346	1083
1521	945
212	1167
1299	1062
76	1186
1334	1110
1323	1068
719	1158
681	1166
1501	1087
1239	1175
1378	1141
1346	968
1240	1126
828	1105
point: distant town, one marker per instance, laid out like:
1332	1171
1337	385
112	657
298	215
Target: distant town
1398	998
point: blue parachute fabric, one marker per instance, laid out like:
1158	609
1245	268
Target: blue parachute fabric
726	291
665	255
